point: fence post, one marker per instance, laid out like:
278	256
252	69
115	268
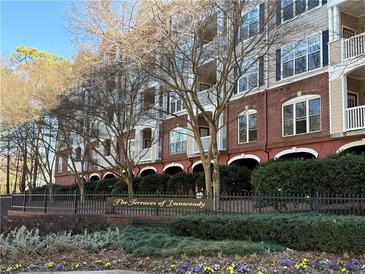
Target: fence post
75	201
12	200
24	200
317	203
45	201
259	202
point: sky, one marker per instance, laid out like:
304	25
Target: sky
40	24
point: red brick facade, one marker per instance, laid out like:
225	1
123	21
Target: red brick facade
270	140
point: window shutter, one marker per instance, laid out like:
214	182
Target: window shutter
278	64
262	17
168	103
235	75
325	48
261	70
278	12
324	2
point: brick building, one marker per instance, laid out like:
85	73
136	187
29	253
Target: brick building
307	99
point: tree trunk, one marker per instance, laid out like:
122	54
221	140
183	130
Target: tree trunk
82	193
208	179
24	172
215	173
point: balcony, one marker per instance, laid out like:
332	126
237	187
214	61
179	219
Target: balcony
205	140
353	46
355	118
206	97
145	155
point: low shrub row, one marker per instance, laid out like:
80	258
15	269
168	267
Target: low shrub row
233	179
340	175
297	231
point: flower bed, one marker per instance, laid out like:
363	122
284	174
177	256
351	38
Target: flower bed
278	263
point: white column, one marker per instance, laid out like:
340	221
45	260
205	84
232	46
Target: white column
337	23
330	24
344	101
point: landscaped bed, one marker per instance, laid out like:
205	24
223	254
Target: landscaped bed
155	250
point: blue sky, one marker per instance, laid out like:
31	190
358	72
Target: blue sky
39	24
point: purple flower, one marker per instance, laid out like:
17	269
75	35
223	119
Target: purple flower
243	269
285	262
196	269
350	266
60	266
216	267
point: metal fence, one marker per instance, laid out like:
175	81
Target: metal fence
239	203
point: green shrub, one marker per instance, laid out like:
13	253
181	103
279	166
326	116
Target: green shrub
153	182
297	231
339	175
235	179
181	182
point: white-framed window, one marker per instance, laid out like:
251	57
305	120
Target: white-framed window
177	140
302	115
250	79
175	103
250	24
247	126
293	8
302	56
59	164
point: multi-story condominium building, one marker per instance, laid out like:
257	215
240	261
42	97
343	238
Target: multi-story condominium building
308	101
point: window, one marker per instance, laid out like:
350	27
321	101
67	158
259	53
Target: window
204	131
292	8
177	140
59	165
347	32
78	154
107	147
352	100
247	127
250	24
146	138
249	79
302	116
302	56
175	103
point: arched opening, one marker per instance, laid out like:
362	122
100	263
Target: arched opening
247	162
297	153
198	168
356	147
173	168
147	171
109	176
357	150
94	178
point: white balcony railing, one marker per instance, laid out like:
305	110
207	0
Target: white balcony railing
354	46
146	154
206	97
355	118
205	140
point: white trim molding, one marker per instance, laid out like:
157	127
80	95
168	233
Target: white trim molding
148	168
197	163
350	145
94	174
244	156
296	150
108	173
173	165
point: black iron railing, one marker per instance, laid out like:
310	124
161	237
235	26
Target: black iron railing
236	203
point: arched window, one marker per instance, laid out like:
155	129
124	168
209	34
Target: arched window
177	140
247	126
302	115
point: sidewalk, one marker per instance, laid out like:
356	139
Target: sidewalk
87	272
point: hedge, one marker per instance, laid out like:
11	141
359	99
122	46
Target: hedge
296	231
233	179
340	175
